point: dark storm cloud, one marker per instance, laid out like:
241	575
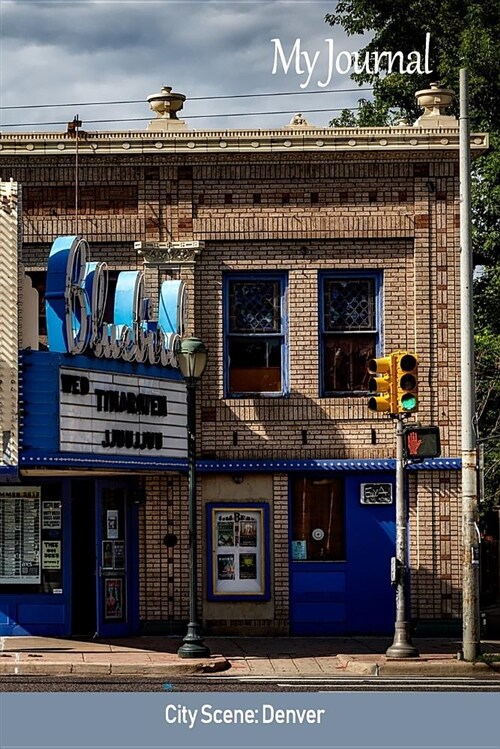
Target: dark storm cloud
55	52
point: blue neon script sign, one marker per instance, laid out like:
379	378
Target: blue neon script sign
75	301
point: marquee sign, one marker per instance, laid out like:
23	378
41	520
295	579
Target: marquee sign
76	294
108	413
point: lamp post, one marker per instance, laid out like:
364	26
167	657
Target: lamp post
192	358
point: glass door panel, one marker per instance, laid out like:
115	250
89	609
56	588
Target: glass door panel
111	535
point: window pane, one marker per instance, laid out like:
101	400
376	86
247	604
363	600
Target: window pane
345	360
254	307
349	304
318	518
255	364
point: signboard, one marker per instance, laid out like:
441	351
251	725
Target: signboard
376	494
20	535
51	555
238	551
299	550
117	414
51	515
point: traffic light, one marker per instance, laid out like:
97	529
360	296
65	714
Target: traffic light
382	384
406	382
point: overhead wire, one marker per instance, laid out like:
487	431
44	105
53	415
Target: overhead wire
187	117
190	98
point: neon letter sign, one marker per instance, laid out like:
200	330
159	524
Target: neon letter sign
75	301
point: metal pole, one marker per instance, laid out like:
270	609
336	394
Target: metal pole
193	646
402	646
470	540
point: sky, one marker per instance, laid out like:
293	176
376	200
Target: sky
80	51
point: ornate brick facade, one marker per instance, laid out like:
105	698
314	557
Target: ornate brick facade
299	202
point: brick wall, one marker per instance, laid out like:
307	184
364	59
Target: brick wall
435	523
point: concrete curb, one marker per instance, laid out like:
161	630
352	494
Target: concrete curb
422	666
177	667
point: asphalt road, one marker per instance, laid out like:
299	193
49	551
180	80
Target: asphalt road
248	684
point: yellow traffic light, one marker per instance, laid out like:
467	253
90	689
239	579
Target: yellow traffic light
406	381
382	384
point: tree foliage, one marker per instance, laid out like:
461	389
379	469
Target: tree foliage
463	34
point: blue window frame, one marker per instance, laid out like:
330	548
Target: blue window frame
255	328
349	330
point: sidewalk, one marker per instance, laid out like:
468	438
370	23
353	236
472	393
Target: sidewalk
239	656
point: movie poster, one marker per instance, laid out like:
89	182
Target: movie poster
225	566
225	531
248	532
113	598
248	566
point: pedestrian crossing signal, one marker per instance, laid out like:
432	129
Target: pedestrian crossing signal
421	442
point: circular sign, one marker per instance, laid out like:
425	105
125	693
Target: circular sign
318	534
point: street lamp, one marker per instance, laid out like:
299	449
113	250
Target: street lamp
192	359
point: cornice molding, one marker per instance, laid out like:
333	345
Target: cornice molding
327	140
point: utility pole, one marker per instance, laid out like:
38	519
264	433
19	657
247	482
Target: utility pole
470	533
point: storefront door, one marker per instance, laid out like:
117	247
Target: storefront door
342	540
115	589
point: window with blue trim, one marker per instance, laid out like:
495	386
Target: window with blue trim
349	331
255	334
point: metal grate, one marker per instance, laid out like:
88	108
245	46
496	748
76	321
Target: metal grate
349	304
254	307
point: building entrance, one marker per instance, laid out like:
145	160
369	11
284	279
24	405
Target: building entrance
103	600
342	540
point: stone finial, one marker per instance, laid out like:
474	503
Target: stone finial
435	101
166	105
298	121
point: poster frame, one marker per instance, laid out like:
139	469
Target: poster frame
33	494
218	556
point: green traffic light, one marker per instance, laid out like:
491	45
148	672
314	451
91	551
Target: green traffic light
409	402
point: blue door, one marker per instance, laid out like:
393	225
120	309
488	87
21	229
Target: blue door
116	589
341	547
371	542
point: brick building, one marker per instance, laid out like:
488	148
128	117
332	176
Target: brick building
305	252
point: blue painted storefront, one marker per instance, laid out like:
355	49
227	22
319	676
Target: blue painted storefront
45	609
51	613
352	596
355	595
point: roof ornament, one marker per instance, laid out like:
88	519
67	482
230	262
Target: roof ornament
166	104
435	101
300	122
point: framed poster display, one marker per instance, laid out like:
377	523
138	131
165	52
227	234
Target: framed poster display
20	535
238	548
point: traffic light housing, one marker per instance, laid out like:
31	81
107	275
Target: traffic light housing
406	382
382	384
